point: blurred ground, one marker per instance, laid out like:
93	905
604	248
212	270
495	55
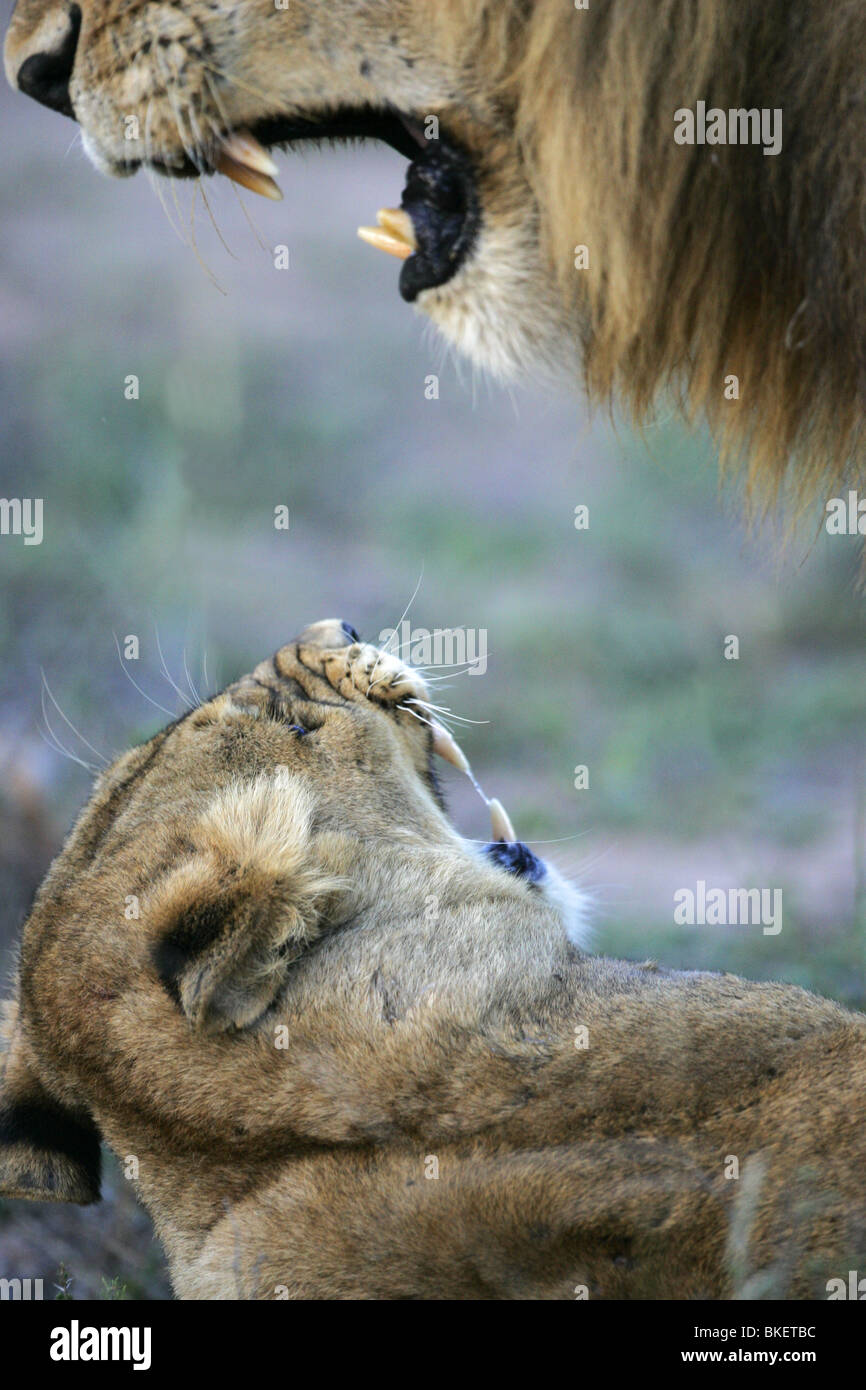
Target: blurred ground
307	387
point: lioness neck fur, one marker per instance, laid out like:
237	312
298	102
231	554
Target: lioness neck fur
345	1054
595	235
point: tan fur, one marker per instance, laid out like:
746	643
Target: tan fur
705	261
340	1042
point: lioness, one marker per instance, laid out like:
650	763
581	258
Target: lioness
343	1053
672	190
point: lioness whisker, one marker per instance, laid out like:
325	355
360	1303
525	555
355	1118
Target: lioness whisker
387	649
175	687
65	753
143	693
189	680
449	671
444	712
68	721
61	748
405	612
416	715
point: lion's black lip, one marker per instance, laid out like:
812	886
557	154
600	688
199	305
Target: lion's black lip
343	123
440	195
441	198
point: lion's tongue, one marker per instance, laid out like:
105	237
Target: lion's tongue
243	160
445	745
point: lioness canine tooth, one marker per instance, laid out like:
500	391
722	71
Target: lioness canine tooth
446	746
499	822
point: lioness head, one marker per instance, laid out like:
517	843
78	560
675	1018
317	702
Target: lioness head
551	210
284	835
269	972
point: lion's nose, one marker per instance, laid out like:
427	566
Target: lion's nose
42	63
332	632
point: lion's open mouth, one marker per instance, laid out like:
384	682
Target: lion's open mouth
435	226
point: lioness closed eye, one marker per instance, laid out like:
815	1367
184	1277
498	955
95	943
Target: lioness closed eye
344	1053
672	191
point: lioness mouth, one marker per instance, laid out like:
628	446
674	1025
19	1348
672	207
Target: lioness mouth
436	224
506	849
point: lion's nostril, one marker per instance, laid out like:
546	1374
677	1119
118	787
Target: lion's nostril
45	75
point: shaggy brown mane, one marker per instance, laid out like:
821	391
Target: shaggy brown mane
703	261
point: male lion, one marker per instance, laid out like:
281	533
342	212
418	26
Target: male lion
551	210
345	1054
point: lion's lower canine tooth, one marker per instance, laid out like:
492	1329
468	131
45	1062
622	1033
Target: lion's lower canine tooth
245	149
383	240
247	178
499	822
399	224
447	748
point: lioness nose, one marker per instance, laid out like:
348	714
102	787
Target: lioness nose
333	632
46	57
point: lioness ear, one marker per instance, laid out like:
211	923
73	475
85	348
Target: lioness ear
229	921
48	1153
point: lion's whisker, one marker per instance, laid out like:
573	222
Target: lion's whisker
238	83
153	178
210	212
199	188
246	212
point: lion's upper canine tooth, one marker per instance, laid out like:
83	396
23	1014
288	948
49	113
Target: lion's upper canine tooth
253	179
384	241
244	148
398	222
445	745
499	822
